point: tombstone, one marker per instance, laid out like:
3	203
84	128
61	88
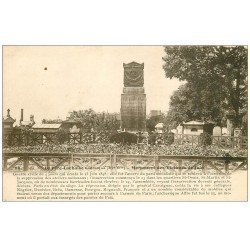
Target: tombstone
237	132
179	129
225	131
217	131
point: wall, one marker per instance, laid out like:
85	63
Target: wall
187	130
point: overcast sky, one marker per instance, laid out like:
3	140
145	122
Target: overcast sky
78	77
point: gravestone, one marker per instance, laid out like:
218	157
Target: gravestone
237	132
217	131
179	129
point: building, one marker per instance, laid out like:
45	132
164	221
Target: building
193	128
8	122
133	98
26	124
46	128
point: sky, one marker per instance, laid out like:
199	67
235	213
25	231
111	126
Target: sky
78	78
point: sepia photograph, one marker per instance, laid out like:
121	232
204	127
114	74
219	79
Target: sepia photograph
125	123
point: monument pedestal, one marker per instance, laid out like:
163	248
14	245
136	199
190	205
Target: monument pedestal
133	99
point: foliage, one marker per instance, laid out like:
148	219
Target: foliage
244	125
62	135
51	121
169	138
136	149
205	139
151	122
124	138
22	130
186	104
161	139
92	120
215	82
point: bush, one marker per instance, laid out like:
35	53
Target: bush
169	138
205	139
62	136
152	138
124	138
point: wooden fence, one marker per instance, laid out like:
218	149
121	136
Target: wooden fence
80	161
220	141
230	141
32	139
190	139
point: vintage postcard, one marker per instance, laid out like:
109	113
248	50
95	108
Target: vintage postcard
125	123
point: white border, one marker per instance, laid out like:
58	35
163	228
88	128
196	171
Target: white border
124	225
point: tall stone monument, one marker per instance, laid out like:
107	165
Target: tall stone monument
133	98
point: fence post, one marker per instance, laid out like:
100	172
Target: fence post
111	161
156	159
240	141
47	164
5	161
180	165
233	142
25	163
204	166
226	166
114	160
26	139
71	160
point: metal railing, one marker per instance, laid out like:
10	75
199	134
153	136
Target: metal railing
220	141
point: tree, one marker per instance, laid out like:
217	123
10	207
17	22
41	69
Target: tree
96	121
187	104
87	117
215	76
151	122
51	121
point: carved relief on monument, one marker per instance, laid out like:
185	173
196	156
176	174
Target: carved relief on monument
133	74
133	98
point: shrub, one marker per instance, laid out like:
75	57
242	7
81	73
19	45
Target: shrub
124	138
205	139
169	138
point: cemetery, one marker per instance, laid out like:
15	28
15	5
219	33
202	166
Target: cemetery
52	145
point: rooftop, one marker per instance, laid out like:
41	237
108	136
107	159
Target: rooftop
45	125
8	119
26	123
193	123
